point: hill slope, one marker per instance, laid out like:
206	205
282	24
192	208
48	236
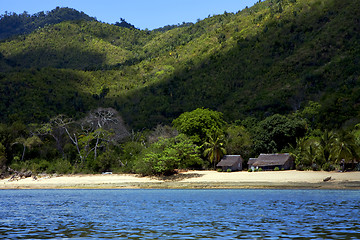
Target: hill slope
271	58
12	24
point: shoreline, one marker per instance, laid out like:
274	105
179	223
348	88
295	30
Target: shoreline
194	180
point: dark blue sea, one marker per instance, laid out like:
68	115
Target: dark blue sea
180	214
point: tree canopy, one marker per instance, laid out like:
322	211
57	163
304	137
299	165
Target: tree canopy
276	132
199	123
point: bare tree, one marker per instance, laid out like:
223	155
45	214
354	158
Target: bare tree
161	131
107	125
96	130
108	119
55	132
65	123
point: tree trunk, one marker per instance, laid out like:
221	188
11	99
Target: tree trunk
58	145
96	146
23	154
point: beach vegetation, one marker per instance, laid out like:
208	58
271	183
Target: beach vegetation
325	150
214	148
60	166
164	149
315	167
167	154
2	157
328	167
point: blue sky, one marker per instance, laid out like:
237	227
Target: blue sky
141	13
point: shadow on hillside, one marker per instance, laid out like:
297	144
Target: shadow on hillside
68	58
258	76
42	94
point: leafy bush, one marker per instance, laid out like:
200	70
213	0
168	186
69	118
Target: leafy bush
328	167
166	155
62	166
42	166
16	166
228	170
300	167
106	160
315	167
34	165
276	169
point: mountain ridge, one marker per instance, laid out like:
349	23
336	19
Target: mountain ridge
13	24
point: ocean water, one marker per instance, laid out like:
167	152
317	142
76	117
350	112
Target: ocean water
180	214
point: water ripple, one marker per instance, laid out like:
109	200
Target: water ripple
180	214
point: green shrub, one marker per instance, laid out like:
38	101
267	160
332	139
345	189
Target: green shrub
16	166
219	170
328	167
315	167
228	170
42	166
300	167
106	160
260	169
62	166
276	169
249	170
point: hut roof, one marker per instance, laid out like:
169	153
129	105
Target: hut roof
252	161
229	160
272	159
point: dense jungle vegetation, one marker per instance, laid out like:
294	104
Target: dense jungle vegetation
79	95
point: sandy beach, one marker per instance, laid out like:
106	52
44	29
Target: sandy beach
195	180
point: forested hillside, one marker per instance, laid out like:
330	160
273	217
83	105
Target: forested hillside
271	58
12	24
290	57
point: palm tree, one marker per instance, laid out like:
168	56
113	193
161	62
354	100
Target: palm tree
327	145
214	147
311	154
306	151
346	147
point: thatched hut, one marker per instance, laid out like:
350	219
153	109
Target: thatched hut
232	162
271	161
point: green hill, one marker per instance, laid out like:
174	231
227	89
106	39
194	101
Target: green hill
12	24
75	45
271	58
